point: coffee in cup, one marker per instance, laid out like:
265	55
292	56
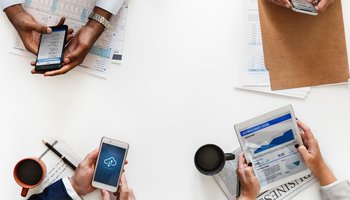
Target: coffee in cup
210	159
29	173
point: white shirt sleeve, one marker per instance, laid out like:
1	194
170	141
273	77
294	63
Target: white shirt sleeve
112	6
326	187
70	190
339	190
7	3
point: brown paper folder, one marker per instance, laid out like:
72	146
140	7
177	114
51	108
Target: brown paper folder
302	50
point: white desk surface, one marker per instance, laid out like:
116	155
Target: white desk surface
173	93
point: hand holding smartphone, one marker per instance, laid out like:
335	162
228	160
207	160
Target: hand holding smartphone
51	48
303	6
110	164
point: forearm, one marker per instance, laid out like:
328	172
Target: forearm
96	25
324	175
103	13
12	11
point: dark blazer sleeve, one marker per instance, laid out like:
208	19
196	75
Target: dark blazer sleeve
55	191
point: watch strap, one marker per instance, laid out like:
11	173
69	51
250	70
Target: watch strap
100	19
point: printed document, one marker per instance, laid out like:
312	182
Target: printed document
229	183
56	168
227	179
107	49
253	75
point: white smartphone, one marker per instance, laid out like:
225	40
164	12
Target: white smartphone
110	164
303	6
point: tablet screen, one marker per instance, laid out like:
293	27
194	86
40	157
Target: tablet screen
269	143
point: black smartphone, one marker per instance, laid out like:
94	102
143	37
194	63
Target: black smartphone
51	47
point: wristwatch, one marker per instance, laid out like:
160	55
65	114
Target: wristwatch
100	19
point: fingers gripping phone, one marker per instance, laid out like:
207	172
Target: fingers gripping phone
303	6
51	47
110	164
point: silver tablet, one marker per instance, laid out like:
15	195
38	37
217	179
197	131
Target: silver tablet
268	142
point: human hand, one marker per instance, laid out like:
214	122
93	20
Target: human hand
124	192
27	27
321	5
283	3
29	30
250	186
82	177
80	45
312	157
78	48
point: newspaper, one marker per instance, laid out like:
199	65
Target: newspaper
228	181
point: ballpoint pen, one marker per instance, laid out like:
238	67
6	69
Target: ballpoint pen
65	160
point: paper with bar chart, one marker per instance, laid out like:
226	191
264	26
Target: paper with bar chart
270	146
107	49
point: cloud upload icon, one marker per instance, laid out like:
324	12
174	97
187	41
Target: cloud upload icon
110	162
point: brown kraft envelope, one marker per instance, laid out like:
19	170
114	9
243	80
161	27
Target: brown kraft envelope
302	50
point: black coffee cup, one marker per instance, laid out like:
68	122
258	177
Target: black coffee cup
29	173
210	159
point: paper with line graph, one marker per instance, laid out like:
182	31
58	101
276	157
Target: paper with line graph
108	48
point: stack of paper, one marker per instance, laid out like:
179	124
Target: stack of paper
253	75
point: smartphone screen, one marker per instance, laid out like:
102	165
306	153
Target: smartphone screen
110	164
51	49
303	5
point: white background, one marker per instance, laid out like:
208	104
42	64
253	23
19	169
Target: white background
173	93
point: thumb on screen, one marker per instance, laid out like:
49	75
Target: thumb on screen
40	28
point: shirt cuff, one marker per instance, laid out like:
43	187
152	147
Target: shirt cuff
112	6
329	185
7	3
70	190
